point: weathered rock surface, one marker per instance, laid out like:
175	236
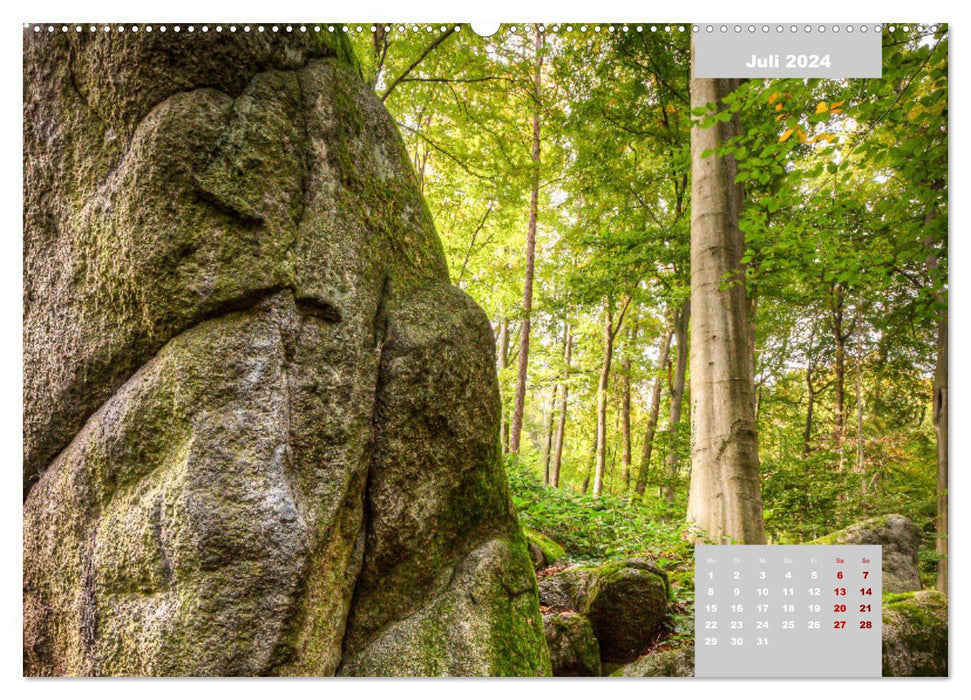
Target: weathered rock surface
900	538
625	601
676	663
564	590
260	427
574	650
915	634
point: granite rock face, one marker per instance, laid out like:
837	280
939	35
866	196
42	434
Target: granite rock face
260	426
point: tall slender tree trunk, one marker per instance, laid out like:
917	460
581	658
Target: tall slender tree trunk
940	427
503	344
610	333
807	431
724	499
860	466
940	397
598	479
662	362
591	462
564	391
839	369
520	403
548	444
672	461
625	456
753	308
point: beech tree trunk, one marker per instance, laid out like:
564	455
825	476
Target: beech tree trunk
724	499
672	460
520	403
564	391
652	415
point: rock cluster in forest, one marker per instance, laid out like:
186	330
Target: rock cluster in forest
624	602
915	622
261	428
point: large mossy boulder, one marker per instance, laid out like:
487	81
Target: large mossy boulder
260	426
915	634
675	663
626	602
574	650
900	540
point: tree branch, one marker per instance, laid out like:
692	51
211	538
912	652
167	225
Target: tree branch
482	79
441	150
472	242
414	64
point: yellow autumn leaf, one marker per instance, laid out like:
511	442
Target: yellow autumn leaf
828	138
672	109
785	135
801	135
778	107
821	107
773	97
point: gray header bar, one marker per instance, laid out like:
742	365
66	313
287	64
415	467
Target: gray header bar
787	50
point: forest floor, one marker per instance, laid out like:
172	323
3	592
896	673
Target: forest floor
574	528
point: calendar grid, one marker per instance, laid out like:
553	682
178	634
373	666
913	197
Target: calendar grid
788	611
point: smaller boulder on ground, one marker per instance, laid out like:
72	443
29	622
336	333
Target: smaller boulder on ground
625	601
574	650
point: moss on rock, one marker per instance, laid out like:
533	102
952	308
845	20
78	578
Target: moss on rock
260	426
549	551
915	634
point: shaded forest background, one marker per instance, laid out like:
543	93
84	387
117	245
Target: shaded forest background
557	167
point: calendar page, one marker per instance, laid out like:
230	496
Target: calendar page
788	611
541	347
